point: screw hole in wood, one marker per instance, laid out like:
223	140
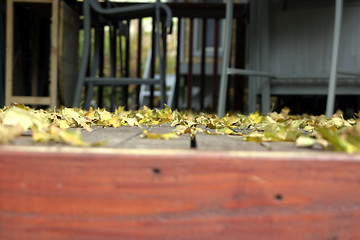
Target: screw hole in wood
278	197
156	171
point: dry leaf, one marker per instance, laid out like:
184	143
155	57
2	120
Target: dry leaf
165	136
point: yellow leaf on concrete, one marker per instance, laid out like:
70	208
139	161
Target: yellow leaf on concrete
165	136
63	124
305	142
9	133
255	118
18	116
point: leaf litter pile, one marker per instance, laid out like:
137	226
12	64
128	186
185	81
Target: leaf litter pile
62	125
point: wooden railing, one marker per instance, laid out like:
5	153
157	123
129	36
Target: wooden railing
204	12
207	68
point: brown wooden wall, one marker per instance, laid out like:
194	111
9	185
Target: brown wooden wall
60	194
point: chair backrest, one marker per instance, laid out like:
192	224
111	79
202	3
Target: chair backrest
133	11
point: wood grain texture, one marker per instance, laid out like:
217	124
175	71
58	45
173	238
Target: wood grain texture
9	50
178	195
11	97
69	25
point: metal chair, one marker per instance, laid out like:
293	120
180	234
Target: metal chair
94	11
259	16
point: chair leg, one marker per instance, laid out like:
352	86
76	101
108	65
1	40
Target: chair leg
113	51
96	61
253	81
85	56
90	89
252	94
334	59
265	96
163	63
162	59
100	96
226	59
263	25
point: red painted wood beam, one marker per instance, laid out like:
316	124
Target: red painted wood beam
70	193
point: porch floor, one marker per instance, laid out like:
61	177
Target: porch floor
132	137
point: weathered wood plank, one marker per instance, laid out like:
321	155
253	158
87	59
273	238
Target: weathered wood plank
226	143
113	137
69	25
183	142
54	53
29	100
9	51
67	193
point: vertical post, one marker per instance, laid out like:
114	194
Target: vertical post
54	53
264	55
85	56
334	58
178	49
35	56
254	55
216	59
138	62
101	67
161	34
127	66
113	46
226	59
164	57
152	65
190	64
239	83
2	57
203	63
9	51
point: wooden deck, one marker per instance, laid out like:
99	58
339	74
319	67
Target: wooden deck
136	188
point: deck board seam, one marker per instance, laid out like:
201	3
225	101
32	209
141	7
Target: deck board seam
131	137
